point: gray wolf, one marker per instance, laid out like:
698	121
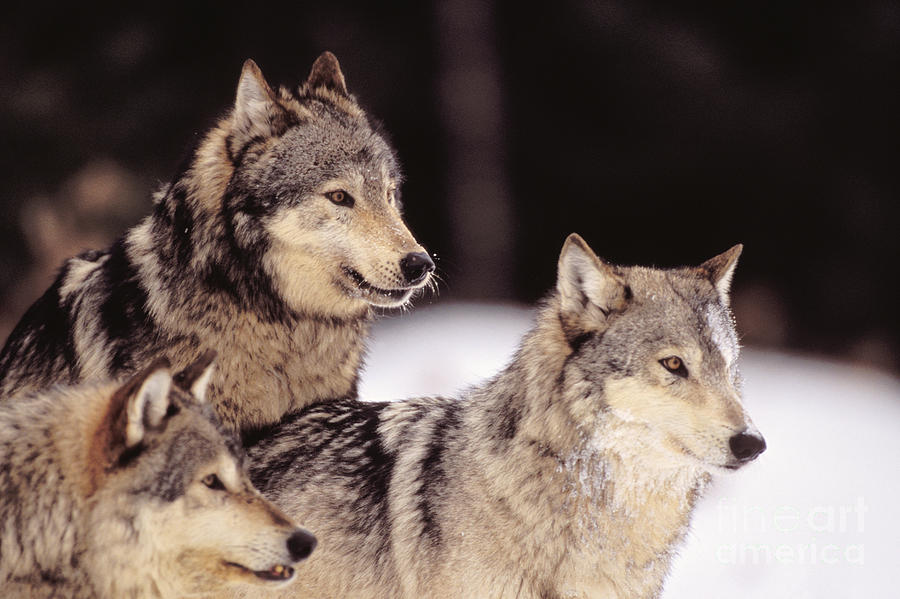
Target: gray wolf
273	244
134	490
572	473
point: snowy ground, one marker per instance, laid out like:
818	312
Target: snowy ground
815	517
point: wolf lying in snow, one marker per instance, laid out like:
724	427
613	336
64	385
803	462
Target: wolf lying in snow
573	473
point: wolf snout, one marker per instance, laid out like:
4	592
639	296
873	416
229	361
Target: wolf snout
416	266
301	544
745	446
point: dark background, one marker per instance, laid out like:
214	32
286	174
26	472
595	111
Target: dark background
663	134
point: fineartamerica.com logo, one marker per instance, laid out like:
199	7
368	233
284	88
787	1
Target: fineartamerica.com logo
826	534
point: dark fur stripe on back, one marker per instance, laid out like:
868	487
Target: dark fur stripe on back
123	312
339	428
433	474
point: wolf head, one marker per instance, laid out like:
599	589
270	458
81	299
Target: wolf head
172	508
316	190
658	350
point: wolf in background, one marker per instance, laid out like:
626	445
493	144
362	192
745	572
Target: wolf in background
572	473
112	491
272	244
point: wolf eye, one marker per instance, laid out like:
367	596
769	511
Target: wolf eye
212	481
341	198
675	365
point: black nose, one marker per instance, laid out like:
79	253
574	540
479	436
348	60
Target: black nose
301	544
746	446
416	266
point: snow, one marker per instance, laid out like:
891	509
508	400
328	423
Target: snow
814	517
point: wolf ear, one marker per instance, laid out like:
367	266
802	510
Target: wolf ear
589	289
253	106
148	401
195	378
326	72
720	269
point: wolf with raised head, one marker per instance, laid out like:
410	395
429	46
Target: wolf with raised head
572	473
134	490
272	245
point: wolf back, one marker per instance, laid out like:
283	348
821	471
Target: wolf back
272	245
116	490
572	473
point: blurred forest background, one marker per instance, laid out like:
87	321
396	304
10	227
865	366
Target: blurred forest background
663	133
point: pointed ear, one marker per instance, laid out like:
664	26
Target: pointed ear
326	72
720	269
253	106
148	401
589	289
195	378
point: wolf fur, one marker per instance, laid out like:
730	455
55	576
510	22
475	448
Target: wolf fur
112	491
272	245
572	473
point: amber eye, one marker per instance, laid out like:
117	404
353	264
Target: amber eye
340	198
675	365
213	482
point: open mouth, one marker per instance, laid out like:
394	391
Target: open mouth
368	289
278	573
